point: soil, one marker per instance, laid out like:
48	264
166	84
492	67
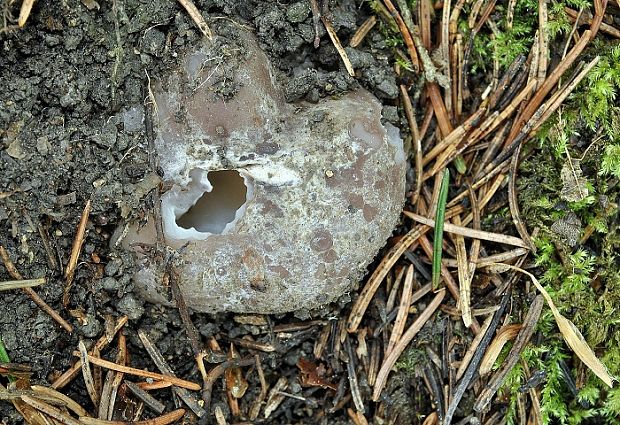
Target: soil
74	82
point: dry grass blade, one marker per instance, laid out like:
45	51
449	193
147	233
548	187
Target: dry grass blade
24	12
470	233
415	327
21	284
51	411
45	392
569	331
360	306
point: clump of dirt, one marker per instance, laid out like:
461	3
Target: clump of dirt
72	129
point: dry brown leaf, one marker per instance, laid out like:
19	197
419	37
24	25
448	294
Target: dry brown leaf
504	335
574	187
569	331
313	375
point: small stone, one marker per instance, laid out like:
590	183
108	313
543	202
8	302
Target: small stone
113	267
297	12
43	145
131	307
15	150
109	284
133	119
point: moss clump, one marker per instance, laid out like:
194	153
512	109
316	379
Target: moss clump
583	277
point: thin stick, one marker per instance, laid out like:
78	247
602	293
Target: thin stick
316	17
415	327
470	233
403	311
87	374
484	398
24	12
101	343
12	270
76	249
360	306
166	419
338	45
197	17
144	373
21	284
362	31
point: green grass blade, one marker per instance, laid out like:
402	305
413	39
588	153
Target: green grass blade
438	236
4	356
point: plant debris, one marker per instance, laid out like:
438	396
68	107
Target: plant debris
443	330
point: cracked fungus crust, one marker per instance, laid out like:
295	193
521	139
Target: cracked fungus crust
274	207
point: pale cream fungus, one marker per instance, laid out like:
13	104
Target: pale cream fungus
273	207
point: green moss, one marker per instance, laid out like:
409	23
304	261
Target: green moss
583	280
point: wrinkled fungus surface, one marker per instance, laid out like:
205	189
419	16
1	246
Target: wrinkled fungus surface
273	207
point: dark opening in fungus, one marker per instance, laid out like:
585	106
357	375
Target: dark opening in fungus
215	209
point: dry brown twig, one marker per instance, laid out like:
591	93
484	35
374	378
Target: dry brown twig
338	45
76	249
197	17
14	273
101	343
415	327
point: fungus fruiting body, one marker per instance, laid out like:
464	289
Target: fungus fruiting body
273	207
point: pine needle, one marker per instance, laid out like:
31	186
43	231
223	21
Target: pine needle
439	222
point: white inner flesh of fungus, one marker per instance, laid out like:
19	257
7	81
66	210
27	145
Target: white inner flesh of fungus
211	204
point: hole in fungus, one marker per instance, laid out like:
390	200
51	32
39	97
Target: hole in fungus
220	207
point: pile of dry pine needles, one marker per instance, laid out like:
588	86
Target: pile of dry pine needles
353	356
